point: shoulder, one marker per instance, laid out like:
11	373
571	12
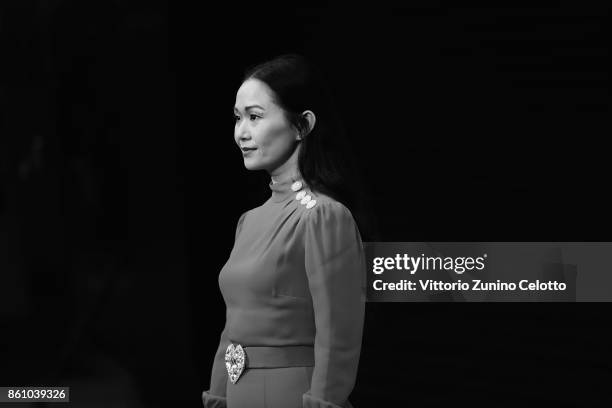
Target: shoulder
241	221
318	206
243	216
252	212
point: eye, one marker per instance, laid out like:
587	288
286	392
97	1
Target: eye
253	116
236	118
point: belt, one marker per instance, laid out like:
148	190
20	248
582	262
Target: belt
237	358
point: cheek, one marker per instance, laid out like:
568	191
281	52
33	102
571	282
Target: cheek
274	138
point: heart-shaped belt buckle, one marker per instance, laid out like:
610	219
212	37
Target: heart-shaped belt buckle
235	359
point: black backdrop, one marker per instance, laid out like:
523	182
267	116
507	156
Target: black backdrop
121	186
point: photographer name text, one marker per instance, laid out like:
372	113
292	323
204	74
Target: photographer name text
474	285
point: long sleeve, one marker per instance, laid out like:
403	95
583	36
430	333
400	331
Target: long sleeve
335	267
214	397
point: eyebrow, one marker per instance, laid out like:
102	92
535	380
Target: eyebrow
250	106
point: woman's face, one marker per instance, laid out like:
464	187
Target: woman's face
263	133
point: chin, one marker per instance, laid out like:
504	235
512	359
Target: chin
252	166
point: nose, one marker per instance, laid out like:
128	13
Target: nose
240	132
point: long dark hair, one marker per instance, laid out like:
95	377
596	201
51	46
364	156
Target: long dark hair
326	161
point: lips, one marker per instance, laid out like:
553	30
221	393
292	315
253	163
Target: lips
247	149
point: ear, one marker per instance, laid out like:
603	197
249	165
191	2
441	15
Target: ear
311	119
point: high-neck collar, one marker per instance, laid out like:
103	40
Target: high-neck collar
282	190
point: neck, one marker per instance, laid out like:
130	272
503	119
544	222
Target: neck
287	170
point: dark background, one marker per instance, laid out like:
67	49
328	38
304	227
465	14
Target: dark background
121	186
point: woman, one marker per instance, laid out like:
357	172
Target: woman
294	284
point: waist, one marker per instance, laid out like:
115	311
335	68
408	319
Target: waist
279	356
